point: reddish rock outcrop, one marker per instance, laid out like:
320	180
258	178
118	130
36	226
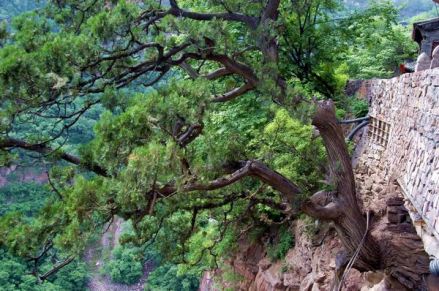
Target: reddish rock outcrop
24	175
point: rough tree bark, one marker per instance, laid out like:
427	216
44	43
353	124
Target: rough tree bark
341	206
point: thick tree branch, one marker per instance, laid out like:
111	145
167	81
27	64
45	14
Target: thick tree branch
321	206
221	72
56	268
189	135
175	10
251	168
44	149
189	70
340	165
271	10
236	67
233	93
275	180
230	67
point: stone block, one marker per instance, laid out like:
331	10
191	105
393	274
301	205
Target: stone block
395	201
435	60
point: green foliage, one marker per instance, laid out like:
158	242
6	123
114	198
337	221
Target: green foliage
14	276
290	147
360	108
29	199
326	45
125	266
379	50
127	262
311	40
280	247
72	277
167	278
26	198
24	237
406	8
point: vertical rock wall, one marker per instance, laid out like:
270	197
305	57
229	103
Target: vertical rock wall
402	144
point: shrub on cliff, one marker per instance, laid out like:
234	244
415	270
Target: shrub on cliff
282	244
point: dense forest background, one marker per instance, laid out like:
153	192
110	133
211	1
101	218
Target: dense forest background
376	52
407	9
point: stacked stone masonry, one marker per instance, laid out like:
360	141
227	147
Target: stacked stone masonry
407	107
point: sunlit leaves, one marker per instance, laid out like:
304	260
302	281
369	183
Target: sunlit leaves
148	167
290	147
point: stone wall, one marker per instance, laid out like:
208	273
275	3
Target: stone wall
401	147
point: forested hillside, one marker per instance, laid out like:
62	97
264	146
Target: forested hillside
407	8
11	8
192	124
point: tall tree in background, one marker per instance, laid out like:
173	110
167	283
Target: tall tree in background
224	144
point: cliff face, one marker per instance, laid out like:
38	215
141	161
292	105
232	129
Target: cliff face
23	175
310	265
396	171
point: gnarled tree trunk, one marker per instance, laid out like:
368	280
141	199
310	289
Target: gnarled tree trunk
399	252
341	206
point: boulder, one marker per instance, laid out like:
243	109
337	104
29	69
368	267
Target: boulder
264	264
435	58
423	62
